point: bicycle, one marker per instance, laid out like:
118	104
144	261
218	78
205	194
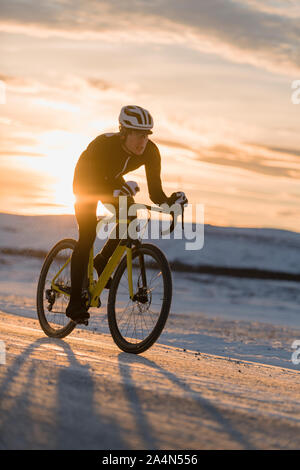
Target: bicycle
140	292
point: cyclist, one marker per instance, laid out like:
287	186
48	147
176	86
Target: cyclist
99	176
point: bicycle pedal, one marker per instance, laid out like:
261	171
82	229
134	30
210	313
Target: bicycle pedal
81	321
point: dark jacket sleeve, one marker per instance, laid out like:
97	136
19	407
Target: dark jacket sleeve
153	168
94	172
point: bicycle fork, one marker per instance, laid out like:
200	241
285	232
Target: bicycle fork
141	294
129	270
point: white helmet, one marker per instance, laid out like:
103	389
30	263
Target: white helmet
135	117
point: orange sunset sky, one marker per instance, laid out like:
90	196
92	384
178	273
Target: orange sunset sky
216	76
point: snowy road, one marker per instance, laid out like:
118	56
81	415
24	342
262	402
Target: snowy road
219	377
83	393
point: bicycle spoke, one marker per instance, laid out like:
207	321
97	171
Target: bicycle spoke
135	319
56	316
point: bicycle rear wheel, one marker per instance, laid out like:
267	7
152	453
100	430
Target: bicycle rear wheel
135	324
51	305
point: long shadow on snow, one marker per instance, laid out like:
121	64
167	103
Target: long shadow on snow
70	421
201	406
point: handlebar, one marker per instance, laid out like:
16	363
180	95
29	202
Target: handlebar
172	213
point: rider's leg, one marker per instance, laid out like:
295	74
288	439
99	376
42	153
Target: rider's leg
87	221
102	258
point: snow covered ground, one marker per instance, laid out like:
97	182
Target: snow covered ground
268	249
221	372
247	318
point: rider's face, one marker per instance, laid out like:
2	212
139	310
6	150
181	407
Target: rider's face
136	141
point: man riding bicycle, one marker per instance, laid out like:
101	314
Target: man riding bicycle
99	176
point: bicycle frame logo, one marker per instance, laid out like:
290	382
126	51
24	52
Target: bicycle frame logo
140	228
2	353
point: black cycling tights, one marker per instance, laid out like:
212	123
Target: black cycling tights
87	221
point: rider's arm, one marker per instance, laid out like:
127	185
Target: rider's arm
153	169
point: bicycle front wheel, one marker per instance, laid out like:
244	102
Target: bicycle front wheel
51	304
136	323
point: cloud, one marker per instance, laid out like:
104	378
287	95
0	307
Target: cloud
289	8
265	160
64	92
19	153
173	144
100	84
19	183
282	150
261	33
66	102
262	159
12	141
20	84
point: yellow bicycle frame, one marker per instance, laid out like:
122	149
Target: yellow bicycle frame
96	288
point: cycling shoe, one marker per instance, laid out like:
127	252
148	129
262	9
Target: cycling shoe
81	321
77	312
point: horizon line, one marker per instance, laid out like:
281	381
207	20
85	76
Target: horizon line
240	227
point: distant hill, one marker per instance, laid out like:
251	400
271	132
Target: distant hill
253	252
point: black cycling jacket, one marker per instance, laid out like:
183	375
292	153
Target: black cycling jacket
101	167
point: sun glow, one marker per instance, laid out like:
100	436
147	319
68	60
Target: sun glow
61	151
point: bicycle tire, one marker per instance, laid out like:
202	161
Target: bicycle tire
67	243
141	346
